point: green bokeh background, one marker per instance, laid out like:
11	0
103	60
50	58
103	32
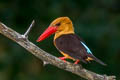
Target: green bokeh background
96	21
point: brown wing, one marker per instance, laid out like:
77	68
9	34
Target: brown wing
71	45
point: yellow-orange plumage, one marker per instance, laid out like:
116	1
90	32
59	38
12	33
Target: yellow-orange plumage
65	28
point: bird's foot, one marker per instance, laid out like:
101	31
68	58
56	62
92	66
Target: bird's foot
77	61
63	58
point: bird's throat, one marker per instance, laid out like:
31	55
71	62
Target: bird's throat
64	29
58	34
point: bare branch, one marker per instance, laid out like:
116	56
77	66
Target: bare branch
46	57
29	29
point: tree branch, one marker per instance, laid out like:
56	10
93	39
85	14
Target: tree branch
46	57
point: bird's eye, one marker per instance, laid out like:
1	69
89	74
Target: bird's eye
58	24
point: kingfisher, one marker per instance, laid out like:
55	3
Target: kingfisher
70	45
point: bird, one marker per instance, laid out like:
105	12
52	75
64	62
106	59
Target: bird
70	45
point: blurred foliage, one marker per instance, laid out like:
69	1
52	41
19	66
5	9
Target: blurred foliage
97	21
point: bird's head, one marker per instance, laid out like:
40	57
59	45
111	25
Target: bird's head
61	24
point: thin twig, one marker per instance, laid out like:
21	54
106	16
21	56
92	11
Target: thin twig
46	57
29	29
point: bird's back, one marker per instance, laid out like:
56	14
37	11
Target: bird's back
71	45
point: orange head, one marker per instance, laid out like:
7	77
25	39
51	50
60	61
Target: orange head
60	26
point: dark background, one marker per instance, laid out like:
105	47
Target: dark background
96	21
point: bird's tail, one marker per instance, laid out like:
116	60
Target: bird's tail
97	60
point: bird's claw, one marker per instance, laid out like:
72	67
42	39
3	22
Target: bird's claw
63	58
77	61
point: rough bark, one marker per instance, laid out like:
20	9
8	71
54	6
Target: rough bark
48	58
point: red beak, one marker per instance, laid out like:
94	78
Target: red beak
49	31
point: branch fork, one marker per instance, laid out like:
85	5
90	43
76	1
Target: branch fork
25	35
47	58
